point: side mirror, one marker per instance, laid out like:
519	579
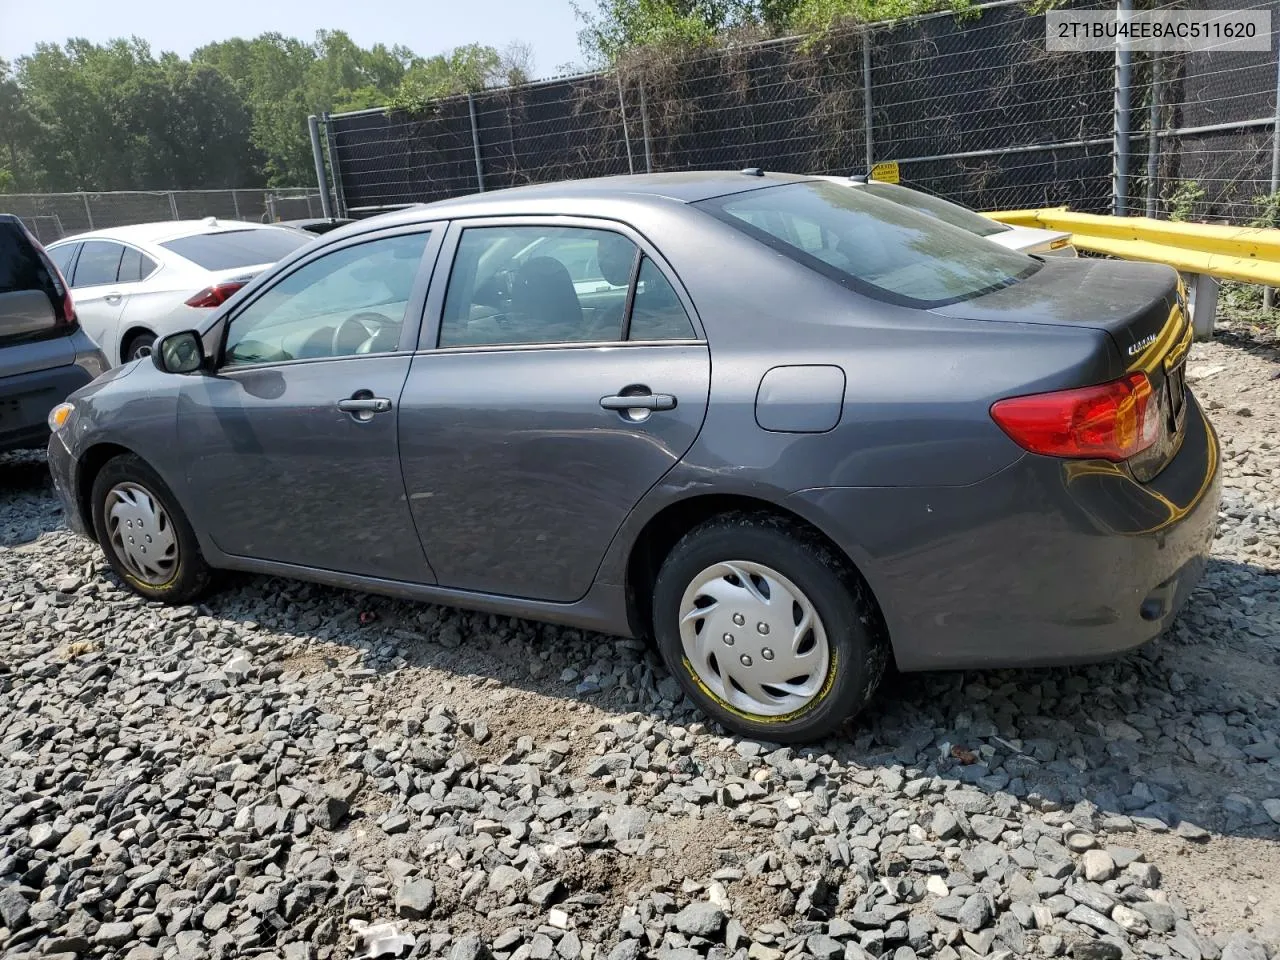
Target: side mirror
181	352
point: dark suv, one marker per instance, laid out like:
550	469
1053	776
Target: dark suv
44	355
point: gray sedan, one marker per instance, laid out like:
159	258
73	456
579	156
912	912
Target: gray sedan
786	429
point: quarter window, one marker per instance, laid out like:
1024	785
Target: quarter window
99	261
346	303
514	285
62	257
657	313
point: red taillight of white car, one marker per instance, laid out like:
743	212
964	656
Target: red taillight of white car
215	295
1109	421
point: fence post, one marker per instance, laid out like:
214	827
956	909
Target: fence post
1153	141
1120	139
475	141
644	126
313	127
87	212
235	203
866	97
626	136
339	205
1268	293
173	206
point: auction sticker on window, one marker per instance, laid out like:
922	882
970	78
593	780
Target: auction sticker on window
1217	31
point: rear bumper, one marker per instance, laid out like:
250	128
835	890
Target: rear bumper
1047	562
27	398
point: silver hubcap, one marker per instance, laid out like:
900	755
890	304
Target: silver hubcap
141	533
141	350
754	638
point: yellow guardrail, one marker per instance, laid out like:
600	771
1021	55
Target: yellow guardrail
1250	254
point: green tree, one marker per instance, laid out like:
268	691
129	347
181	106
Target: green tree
17	128
615	27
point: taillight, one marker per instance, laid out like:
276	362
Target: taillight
215	295
1110	421
69	318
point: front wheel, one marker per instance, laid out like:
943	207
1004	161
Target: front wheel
145	535
766	629
139	346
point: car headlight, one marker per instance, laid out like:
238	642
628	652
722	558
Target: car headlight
59	415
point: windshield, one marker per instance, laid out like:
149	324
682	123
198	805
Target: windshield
944	210
872	245
229	249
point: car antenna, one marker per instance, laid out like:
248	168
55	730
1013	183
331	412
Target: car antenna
858	177
753	171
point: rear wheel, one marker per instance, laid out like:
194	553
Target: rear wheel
144	533
139	346
767	629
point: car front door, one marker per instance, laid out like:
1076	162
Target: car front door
291	445
533	420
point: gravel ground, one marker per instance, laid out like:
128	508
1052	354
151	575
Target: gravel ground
265	775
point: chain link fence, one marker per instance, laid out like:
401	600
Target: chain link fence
972	108
52	216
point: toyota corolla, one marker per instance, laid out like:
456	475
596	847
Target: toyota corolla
786	429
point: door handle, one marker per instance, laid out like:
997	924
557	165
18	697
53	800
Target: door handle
643	401
112	298
365	405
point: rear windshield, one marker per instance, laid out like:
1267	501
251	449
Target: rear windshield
229	249
872	245
20	265
944	210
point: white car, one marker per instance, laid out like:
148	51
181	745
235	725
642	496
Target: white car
1043	243
134	284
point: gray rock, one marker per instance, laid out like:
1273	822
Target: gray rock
1242	947
13	908
1098	866
1159	915
416	899
976	912
1095	950
625	950
114	934
468	947
700	919
504	877
945	825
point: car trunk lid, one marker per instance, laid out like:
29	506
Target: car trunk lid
1141	308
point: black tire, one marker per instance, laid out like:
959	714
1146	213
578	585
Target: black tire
856	639
139	341
192	575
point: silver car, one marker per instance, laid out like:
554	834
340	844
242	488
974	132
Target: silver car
786	429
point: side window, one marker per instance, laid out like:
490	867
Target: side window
146	267
62	258
657	313
345	303
130	265
537	284
98	263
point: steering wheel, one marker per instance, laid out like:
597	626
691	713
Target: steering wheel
367	327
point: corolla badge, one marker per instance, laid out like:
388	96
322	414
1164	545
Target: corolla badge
1142	344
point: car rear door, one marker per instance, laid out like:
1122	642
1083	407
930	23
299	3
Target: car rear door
290	445
532	420
98	296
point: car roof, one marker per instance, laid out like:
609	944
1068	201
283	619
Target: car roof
684	187
162	230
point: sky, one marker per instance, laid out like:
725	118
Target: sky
425	26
